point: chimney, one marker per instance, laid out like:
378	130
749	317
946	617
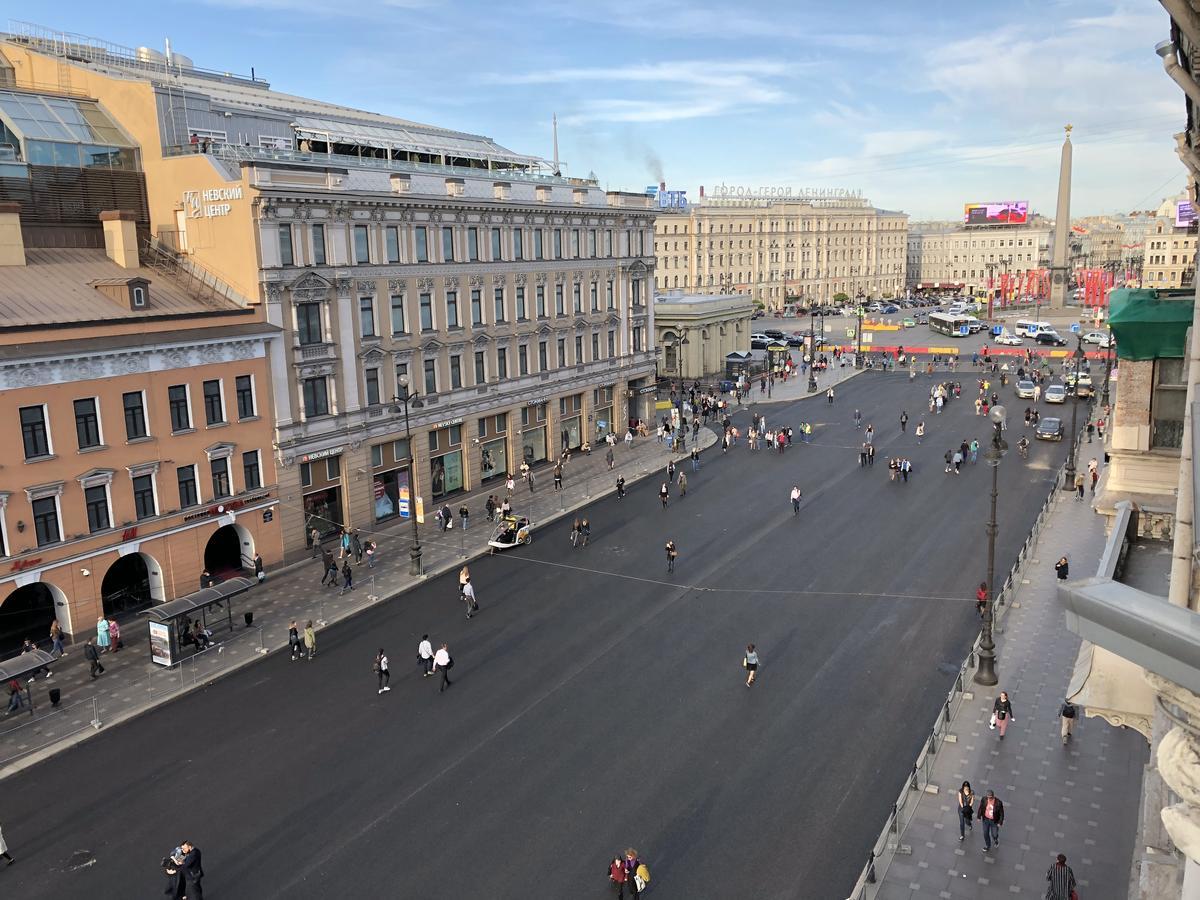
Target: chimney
12	244
120	237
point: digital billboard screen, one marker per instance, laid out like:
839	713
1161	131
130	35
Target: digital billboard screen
1185	213
1010	212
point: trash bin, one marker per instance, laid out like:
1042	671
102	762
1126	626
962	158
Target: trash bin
55	696
249	617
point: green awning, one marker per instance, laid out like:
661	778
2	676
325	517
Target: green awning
1150	324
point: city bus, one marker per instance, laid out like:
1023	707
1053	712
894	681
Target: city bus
950	325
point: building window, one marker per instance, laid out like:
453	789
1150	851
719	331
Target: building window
214	407
362	245
497	253
45	521
447	244
286	256
541	301
308	323
135	415
635	287
562	352
523	359
521	311
473	244
244	385
251	470
592	243
559	307
426	304
392	238
498	303
401	375
480	367
574	243
316	396
318	245
1167	404
476	307
87	423
537	245
577	297
501	363
543	361
431	376
96	500
558	243
578	349
220	477
455	371
637	340
452	309
422	243
305	474
518	243
139	296
181	413
371	379
612	343
366	316
608	243
144	505
595	346
595	291
186	476
399	323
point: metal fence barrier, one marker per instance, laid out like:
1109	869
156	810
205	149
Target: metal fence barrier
31	736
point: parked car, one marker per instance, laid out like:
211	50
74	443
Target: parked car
1099	338
775	334
758	342
757	314
1049	429
1055	393
1008	339
1025	389
1050	338
795	339
909	323
889	309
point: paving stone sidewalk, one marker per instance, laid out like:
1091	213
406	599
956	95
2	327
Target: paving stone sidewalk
1080	799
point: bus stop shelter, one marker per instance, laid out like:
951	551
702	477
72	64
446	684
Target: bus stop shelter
170	621
21	667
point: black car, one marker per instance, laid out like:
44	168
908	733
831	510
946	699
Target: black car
1051	339
758	344
775	334
757	314
1049	429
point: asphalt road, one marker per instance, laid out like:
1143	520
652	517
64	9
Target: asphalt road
598	701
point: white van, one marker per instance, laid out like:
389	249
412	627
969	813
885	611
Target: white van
1031	327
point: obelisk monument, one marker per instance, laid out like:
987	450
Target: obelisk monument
1060	273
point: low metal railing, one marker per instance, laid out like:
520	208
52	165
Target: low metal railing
41	731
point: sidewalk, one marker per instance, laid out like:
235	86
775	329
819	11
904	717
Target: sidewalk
1080	799
132	684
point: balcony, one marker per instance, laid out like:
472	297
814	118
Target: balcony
311	352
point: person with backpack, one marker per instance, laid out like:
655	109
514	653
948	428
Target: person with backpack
381	671
294	639
1067	714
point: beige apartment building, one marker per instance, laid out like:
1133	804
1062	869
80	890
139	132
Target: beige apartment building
782	249
1169	257
952	256
509	304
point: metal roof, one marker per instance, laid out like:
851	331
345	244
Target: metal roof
46	118
20	666
201	599
408	137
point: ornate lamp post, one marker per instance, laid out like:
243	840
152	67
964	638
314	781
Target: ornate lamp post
985	674
812	351
1077	356
410	399
1107	369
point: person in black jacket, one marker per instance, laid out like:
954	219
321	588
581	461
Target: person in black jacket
991	816
1062	568
1002	711
193	871
171	866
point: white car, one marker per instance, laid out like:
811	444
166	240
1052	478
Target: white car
1055	393
1009	339
1099	338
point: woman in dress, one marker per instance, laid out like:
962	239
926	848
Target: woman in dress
102	639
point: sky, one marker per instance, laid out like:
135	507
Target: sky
921	105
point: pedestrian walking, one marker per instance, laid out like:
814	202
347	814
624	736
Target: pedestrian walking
857	419
636	873
1094	472
664	494
1002	714
310	640
443	663
750	664
796	495
949	457
617	877
695	458
958	461
558	476
870	434
973	449
862	455
294	639
371	548
991	817
331	572
966	809
425	656
620	488
1079	482
920	431
509	485
490	508
56	640
468	596
381	671
903	421
529	480
870	455
981	598
1037	393
672	553
682	484
102	638
356	547
585	527
193	871
608	458
1091	427
114	635
1067	714
670	470
829	396
1060	880
1062	568
92	655
314	539
347	578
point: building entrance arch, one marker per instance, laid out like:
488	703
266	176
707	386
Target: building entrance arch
27	613
131	584
229	551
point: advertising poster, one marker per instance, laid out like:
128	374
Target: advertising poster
160	644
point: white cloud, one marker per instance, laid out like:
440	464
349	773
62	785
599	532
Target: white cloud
320	8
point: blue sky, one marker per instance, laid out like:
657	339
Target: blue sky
921	105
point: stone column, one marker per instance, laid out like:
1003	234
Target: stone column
1060	273
1168	844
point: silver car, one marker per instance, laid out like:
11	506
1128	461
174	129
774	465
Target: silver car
1055	393
1025	390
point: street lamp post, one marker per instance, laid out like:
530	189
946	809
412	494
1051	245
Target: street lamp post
1107	370
812	351
410	399
1077	356
985	674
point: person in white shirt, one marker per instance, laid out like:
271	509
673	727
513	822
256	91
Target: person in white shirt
381	670
442	663
425	655
468	594
795	500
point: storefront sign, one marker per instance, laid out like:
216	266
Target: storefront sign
129	533
268	515
541	401
219	509
211	203
22	564
322	454
648	389
160	644
449	422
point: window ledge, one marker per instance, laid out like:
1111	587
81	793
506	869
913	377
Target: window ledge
250	419
140	440
216	425
94	449
42	458
183	431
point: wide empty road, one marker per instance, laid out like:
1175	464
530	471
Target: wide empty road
598	702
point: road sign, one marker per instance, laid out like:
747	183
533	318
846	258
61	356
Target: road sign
1074	328
849	332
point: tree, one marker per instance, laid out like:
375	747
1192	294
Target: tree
840	297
